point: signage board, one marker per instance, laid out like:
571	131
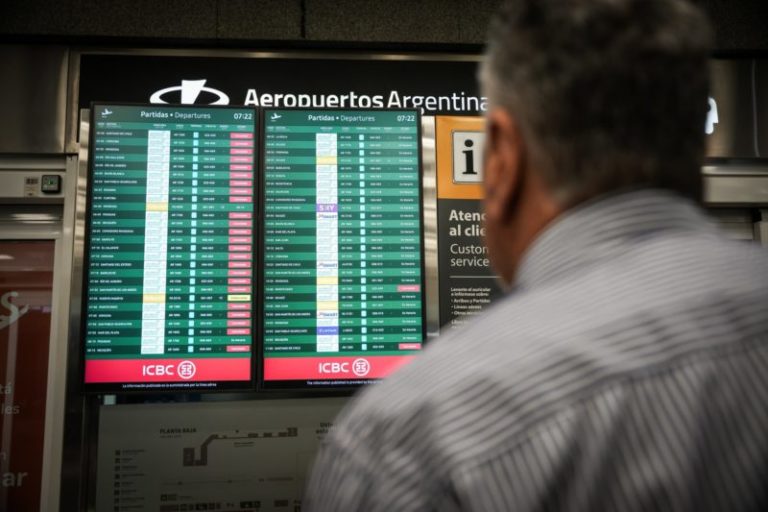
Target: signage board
241	456
169	248
431	85
467	283
343	256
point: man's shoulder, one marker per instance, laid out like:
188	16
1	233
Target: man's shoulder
462	381
663	281
530	348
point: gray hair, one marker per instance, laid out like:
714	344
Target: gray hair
609	94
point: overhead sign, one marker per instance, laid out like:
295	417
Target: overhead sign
736	122
430	86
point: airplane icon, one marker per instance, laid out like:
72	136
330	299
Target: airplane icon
712	117
275	117
106	112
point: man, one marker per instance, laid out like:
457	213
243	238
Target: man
627	368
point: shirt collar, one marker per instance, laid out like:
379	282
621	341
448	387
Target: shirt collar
596	229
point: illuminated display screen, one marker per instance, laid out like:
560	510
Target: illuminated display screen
343	279
169	248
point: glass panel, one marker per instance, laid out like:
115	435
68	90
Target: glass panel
26	286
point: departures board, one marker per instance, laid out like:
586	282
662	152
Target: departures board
169	274
343	273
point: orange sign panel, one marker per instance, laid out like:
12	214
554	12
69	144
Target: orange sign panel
459	142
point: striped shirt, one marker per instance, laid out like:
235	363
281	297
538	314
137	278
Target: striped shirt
627	371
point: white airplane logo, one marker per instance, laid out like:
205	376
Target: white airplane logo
190	90
275	116
712	117
106	112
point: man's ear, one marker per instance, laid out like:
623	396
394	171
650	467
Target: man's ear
504	170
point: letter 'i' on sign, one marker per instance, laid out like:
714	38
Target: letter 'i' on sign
468	156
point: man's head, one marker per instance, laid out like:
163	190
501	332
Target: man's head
588	97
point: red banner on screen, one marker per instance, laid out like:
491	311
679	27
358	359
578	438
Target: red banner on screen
332	368
213	369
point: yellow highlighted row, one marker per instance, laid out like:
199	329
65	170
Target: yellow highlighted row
327	305
157	207
238	298
328	280
326	160
154	298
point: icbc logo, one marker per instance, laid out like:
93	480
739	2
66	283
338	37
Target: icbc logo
361	367
186	370
333	367
157	370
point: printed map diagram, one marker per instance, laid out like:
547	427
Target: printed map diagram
245	456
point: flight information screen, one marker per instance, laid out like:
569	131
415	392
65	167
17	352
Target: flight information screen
169	248
343	283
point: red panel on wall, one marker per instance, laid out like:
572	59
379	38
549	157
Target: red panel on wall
26	285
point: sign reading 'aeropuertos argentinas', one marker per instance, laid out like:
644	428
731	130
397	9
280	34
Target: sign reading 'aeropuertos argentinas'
735	126
432	86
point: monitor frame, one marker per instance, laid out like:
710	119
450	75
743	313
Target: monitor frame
302	387
180	386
